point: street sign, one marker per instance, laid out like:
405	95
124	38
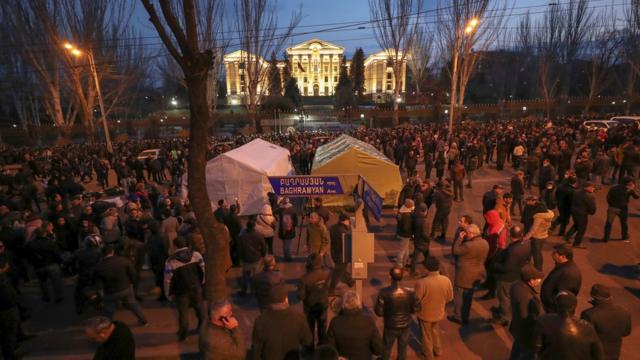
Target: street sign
372	200
306	186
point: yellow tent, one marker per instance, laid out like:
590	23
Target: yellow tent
347	158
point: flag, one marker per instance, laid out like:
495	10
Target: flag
300	67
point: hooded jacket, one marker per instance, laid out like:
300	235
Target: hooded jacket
405	222
541	225
183	272
496	234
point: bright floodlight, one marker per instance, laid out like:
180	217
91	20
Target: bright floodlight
473	22
174	102
446	111
524	108
76	52
68	46
361	116
468	29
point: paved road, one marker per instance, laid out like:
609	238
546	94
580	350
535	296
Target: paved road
614	264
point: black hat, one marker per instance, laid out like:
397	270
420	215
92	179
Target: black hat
564	250
529	272
343	217
432	263
600	292
566	302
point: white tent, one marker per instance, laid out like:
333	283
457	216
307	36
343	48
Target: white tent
243	173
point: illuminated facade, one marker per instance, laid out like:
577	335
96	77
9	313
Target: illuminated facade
316	66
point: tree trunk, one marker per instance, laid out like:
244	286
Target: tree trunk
215	234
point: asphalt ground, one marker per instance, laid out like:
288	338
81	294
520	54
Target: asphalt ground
60	331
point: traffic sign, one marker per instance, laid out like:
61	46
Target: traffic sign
306	186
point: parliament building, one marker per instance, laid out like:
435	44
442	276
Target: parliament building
316	66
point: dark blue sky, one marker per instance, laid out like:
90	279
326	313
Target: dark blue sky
322	12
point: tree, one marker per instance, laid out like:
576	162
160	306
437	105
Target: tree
256	24
394	23
466	30
603	53
344	96
183	31
275	81
419	58
356	74
631	47
286	70
292	92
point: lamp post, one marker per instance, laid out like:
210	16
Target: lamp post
468	30
92	65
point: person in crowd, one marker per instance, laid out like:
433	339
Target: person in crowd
169	226
157	246
9	314
234	225
264	282
496	236
280	332
44	255
265	226
421	238
458	173
564	198
618	206
287	223
85	261
321	210
470	251
583	204
539	232
114	338
313	291
611	322
337	233
317	235
526	308
443	199
404	231
115	276
222	211
490	198
546	174
561	335
396	305
548	195
183	280
517	192
506	267
221	337
352	332
565	276
251	249
434	292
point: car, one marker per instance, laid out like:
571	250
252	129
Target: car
627	120
148	153
593	125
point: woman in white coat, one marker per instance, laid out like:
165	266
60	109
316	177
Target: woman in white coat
265	226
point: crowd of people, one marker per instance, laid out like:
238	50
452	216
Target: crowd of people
52	228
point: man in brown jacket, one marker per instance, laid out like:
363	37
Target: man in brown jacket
470	251
317	235
434	292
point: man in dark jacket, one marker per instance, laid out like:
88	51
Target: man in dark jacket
183	279
264	282
611	322
287	223
116	274
564	198
565	276
251	249
353	333
396	305
337	232
443	198
404	230
45	258
313	291
525	310
618	200
582	205
507	266
9	314
232	222
114	338
563	336
85	261
421	237
279	331
546	173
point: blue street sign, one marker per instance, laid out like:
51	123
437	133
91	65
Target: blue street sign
306	186
372	200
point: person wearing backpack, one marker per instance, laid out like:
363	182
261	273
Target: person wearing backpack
287	226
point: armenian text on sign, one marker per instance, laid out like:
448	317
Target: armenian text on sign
304	186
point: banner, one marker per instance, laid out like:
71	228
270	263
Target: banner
372	200
305	186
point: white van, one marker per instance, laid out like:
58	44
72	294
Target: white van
627	120
593	125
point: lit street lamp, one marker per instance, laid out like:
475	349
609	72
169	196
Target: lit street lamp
92	64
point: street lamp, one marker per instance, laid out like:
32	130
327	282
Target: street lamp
92	64
468	29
